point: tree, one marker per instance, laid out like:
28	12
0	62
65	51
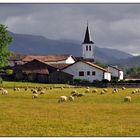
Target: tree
5	40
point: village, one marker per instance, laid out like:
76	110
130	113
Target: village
66	95
63	68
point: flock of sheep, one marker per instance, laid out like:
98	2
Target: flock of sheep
37	91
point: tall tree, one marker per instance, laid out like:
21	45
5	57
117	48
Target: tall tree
5	40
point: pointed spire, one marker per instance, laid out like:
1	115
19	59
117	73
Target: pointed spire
87	36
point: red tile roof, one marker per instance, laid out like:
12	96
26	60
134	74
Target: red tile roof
90	64
45	58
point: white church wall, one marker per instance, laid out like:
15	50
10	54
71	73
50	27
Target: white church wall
82	67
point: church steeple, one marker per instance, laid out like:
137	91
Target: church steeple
88	47
87	37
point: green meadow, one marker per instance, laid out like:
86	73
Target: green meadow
91	115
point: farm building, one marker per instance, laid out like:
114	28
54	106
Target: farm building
64	67
87	71
116	72
37	71
20	59
132	77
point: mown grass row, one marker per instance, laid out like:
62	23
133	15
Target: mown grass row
91	115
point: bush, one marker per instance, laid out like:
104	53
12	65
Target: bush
9	72
105	81
1	80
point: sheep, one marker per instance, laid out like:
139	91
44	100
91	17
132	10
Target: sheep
115	90
25	88
62	88
127	99
133	92
16	89
34	91
34	96
62	99
71	98
74	91
123	88
102	92
80	94
42	92
105	90
94	91
74	94
4	92
87	91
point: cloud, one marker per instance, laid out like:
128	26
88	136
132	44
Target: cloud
111	25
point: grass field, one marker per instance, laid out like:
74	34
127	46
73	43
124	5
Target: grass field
91	115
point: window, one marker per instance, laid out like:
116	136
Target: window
93	72
86	48
88	72
89	48
81	73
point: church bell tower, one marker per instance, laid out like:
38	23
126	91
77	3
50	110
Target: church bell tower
87	47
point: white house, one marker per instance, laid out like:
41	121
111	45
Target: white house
116	72
87	71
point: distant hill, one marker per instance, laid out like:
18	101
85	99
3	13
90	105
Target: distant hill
33	44
127	63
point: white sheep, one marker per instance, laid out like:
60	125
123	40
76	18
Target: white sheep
102	92
74	91
34	91
4	92
62	99
127	99
34	96
94	91
115	90
81	94
105	90
74	94
42	92
71	98
123	88
87	91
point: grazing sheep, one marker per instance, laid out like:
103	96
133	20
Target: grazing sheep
105	90
102	92
87	91
81	94
62	88
34	96
94	91
42	92
74	91
74	94
133	92
123	88
71	98
62	99
4	92
25	88
34	91
115	90
127	99
16	89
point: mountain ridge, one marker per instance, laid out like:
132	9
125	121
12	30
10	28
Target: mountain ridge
37	44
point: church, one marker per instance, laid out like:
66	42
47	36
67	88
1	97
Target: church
63	66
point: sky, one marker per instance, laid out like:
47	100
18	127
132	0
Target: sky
115	26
